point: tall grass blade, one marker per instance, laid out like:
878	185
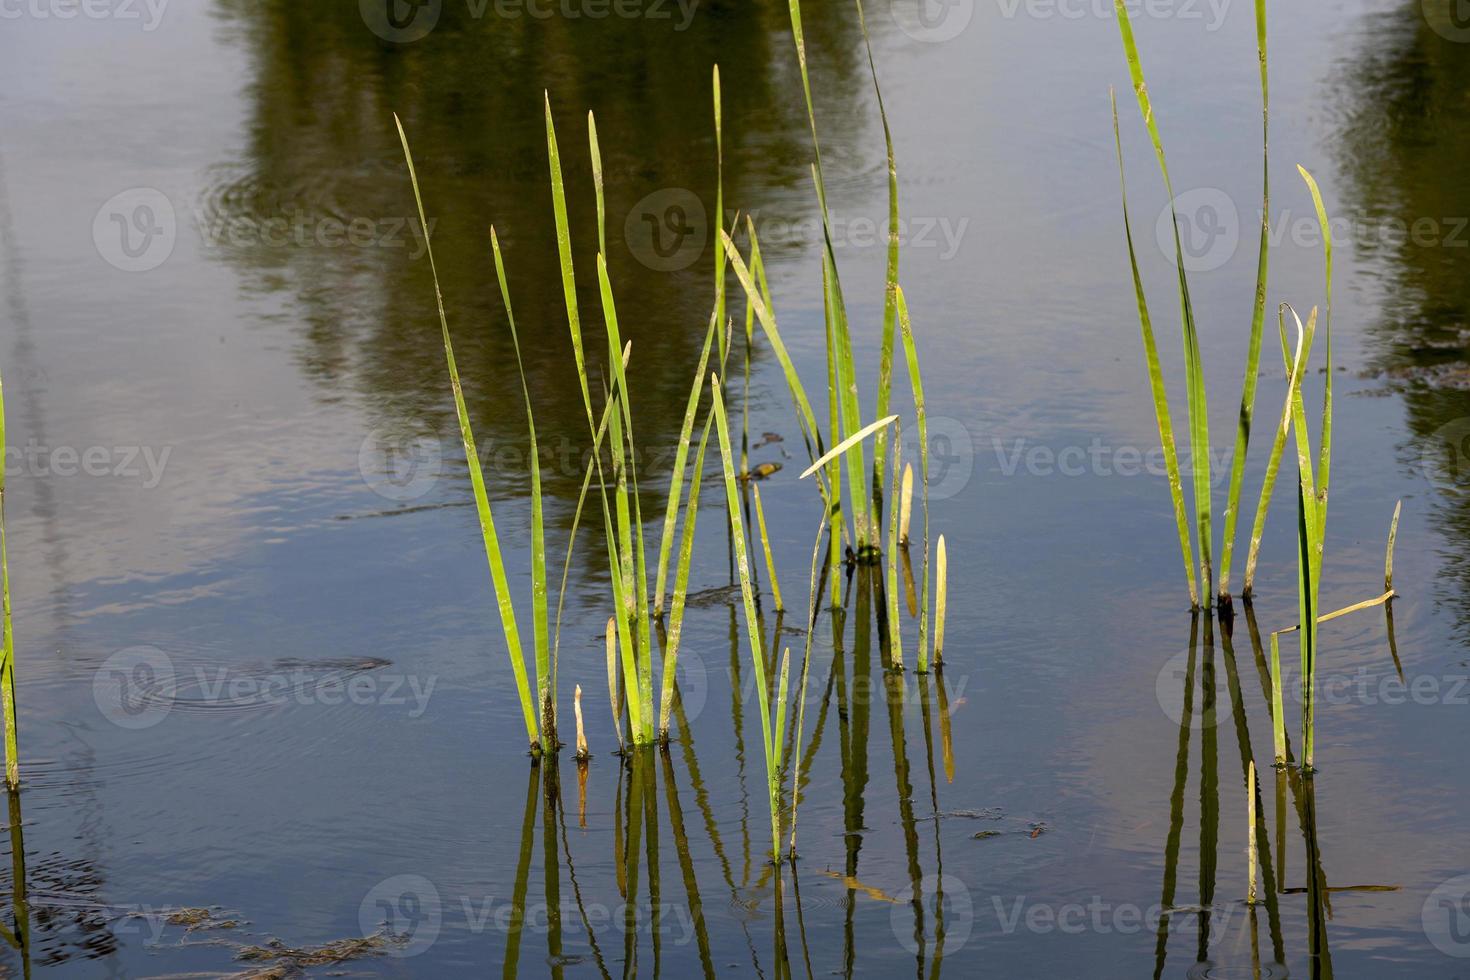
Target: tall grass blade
719	220
1393	533
614	694
564	256
676	477
921	422
1156	384
905	504
545	665
1258	317
1251	854
477	477
844	391
7	668
1324	462
681	583
760	516
1199	429
895	638
890	290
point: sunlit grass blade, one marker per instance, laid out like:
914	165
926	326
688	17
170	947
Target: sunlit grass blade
1199	428
564	256
813	602
1324	461
7	651
1250	849
681	583
1258	318
760	516
545	665
890	290
583	754
719	219
905	504
844	390
477	477
676	476
895	634
848	444
1294	376
921	423
1393	533
941	589
1156	384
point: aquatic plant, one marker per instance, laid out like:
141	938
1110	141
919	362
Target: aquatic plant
634	607
540	730
1196	396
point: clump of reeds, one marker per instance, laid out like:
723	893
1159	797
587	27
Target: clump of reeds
617	483
1198	415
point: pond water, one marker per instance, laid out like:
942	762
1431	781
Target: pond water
219	337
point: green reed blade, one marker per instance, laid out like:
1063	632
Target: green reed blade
1278	710
595	152
719	218
676	477
594	464
564	255
1199	418
1294	378
1393	533
1156	383
844	391
630	534
545	665
809	431
895	639
916	382
742	566
477	477
681	581
760	516
813	603
1324	463
7	650
1258	318
890	291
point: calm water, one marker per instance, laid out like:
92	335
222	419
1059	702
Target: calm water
218	331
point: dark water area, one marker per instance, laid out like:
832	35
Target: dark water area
219	340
